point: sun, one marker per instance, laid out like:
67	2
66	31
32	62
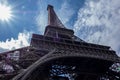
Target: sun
5	12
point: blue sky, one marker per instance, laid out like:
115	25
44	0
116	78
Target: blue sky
95	21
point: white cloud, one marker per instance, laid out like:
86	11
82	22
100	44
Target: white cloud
41	18
4	1
2	50
99	22
65	12
21	41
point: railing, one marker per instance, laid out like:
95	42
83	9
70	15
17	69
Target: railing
67	41
41	43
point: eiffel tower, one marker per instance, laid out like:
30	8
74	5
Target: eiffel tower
67	57
60	55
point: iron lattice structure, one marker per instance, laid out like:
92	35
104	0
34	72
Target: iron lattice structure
60	55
